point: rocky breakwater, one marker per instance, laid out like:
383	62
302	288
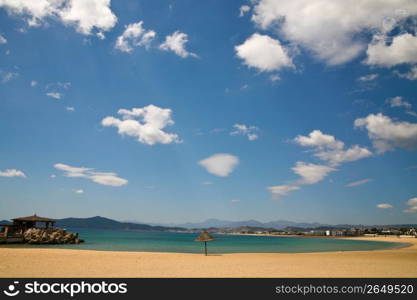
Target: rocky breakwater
50	236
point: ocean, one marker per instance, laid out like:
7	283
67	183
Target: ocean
113	240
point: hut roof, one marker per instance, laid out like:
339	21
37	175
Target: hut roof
204	237
33	218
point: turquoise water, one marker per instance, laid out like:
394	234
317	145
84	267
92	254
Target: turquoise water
110	240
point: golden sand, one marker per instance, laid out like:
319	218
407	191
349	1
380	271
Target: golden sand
21	262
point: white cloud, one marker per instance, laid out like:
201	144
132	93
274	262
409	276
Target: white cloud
103	178
412	205
318	139
387	134
263	53
54	95
33	83
134	36
207	182
243	10
3	40
248	131
70	108
331	30
336	157
7	76
53	176
359	182
281	190
146	124
176	43
85	16
384	205
311	173
410	75
398	101
12	173
235	200
221	164
367	78
402	50
329	149
80	191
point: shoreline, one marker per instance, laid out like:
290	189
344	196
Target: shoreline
42	262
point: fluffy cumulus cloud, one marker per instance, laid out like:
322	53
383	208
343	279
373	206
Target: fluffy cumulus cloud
248	131
359	182
221	164
281	190
176	43
311	173
331	150
134	36
412	205
384	205
12	173
147	124
104	178
85	16
398	101
320	140
331	30
336	157
79	191
386	133
401	50
263	53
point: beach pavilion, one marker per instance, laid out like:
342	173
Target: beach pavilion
15	231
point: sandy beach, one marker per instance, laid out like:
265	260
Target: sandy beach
401	262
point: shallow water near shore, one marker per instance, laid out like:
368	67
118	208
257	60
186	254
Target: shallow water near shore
112	240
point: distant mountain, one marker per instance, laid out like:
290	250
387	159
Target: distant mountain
105	223
249	223
211	224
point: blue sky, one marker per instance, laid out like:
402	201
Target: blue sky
173	111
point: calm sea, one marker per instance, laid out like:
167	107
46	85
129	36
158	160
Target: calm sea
111	240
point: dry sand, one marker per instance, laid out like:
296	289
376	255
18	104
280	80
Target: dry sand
400	262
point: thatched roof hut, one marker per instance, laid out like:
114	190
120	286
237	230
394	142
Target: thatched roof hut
204	237
29	222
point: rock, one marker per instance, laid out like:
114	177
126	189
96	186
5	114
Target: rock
50	236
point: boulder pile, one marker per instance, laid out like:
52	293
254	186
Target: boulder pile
50	236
